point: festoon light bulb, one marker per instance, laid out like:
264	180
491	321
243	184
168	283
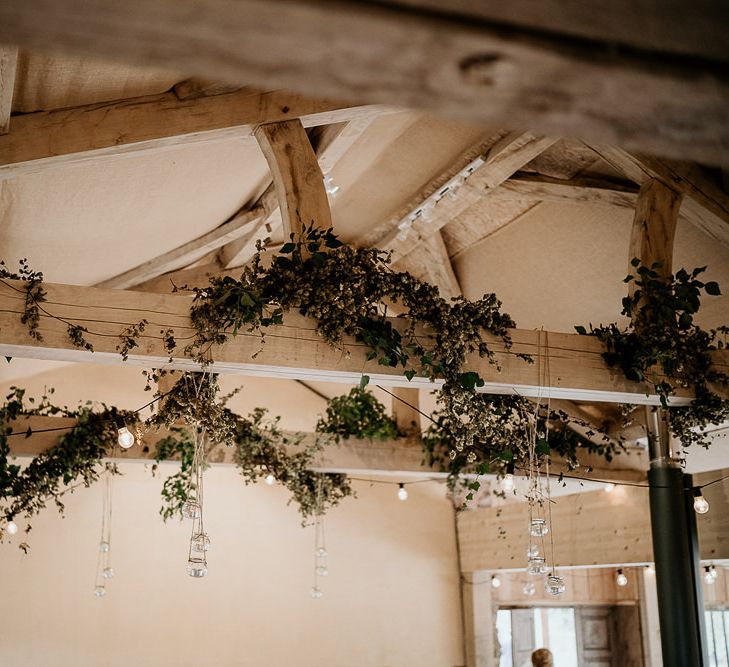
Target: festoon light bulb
507	484
709	578
620	578
125	437
701	505
11	528
495	581
402	492
270	479
609	487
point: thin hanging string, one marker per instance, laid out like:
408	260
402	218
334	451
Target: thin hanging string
548	371
103	559
198	527
320	552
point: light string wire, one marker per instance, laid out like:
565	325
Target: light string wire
274	335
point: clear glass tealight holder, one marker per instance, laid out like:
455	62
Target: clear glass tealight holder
537	566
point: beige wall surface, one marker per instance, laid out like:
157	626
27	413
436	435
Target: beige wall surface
391	597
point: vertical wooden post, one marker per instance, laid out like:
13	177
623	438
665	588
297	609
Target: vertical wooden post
405	407
8	66
479	619
296	175
654	227
673	525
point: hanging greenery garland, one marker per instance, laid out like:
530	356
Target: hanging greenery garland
508	422
261	448
664	347
343	290
357	414
75	460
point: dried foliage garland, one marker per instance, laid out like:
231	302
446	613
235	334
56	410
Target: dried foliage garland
261	448
343	290
507	424
664	347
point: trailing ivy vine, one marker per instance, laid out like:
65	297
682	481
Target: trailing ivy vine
664	347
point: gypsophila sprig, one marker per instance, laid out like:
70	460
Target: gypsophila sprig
664	347
507	422
194	399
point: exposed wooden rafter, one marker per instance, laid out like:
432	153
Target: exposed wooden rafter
297	177
577	190
705	204
524	76
292	350
330	143
68	136
430	262
654	228
495	159
235	239
243	223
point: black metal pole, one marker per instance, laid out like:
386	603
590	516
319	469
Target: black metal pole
676	553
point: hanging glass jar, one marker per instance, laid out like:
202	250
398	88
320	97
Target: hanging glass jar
555	585
537	566
538	528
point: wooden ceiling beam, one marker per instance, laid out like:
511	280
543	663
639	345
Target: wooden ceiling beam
577	190
479	70
330	143
76	135
236	234
705	204
430	262
297	177
403	456
291	350
196	276
243	223
489	163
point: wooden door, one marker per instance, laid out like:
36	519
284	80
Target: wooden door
522	636
593	626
